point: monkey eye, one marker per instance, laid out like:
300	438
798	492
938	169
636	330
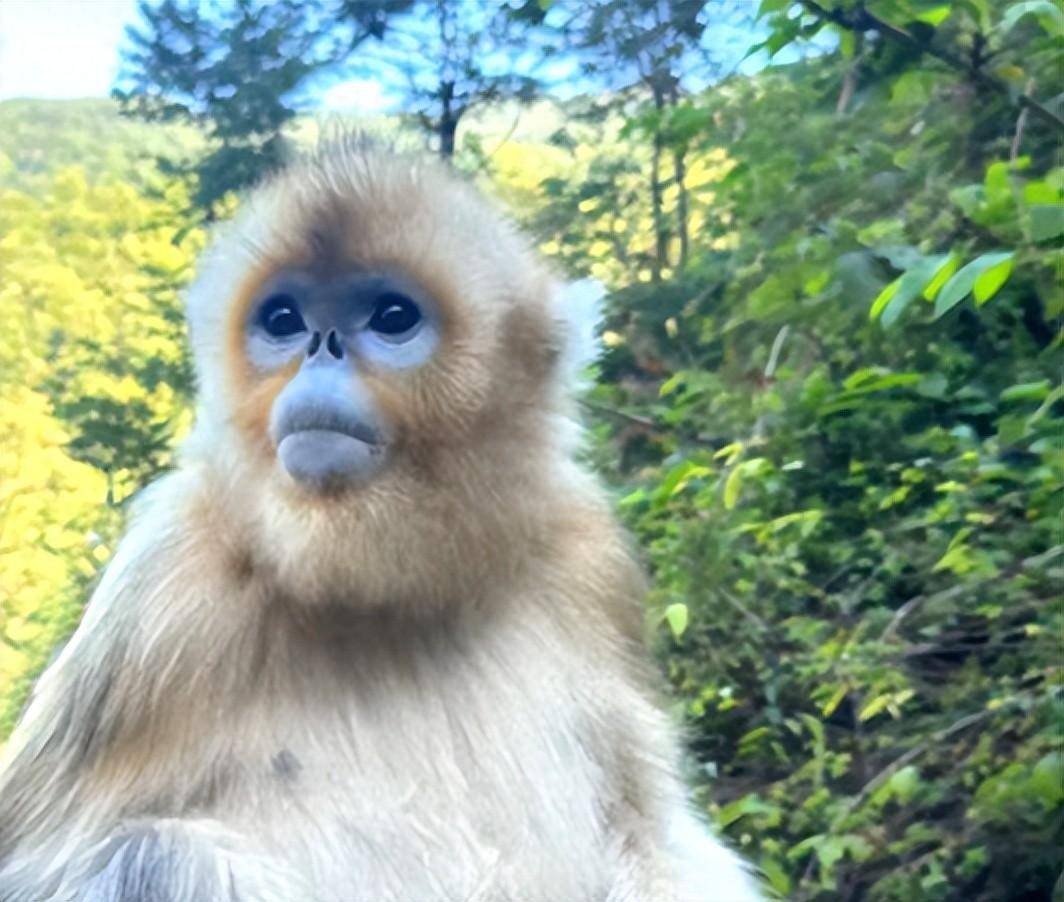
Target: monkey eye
279	316
394	315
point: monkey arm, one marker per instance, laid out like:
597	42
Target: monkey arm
662	850
184	860
168	860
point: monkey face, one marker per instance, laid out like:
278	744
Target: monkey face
369	330
377	355
331	335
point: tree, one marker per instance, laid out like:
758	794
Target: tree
448	57
649	47
233	70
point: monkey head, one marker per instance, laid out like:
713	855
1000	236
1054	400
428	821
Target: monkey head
377	352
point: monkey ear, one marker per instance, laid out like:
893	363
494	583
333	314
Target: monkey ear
578	313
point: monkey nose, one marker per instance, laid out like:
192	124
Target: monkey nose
332	345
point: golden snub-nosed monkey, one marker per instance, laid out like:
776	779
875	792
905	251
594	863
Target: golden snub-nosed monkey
378	637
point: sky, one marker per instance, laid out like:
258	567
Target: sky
70	49
60	48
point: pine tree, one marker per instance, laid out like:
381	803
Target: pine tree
236	71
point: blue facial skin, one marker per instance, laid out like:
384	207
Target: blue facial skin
324	424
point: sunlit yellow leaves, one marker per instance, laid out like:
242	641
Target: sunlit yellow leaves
12	663
20	630
607	243
708	168
601	271
87	272
676	616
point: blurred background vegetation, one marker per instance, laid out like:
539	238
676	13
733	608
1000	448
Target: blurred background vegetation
829	402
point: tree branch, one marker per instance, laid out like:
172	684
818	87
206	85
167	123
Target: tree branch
918	601
1021	123
915	752
862	20
651	425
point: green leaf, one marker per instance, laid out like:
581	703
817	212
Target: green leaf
676	616
670	385
904	783
847	44
962	283
874	707
913	87
936	15
1048	14
828	708
733	486
943	275
1047	780
883	298
772	6
730	452
1041	192
1046	405
909	287
748	804
989	283
873	379
776	876
1027	391
1047	221
677	478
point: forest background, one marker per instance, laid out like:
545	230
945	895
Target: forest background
828	402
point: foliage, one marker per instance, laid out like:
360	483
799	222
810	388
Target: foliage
94	378
829	403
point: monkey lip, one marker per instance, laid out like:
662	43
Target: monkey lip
326	420
318	458
322	446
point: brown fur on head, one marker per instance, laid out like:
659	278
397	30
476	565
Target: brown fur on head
477	457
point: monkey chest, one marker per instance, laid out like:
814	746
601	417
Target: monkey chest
468	785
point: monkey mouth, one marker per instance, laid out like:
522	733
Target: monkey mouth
319	449
326	420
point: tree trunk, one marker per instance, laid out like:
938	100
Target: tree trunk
448	124
448	128
679	166
849	80
661	237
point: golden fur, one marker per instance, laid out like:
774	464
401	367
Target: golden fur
430	687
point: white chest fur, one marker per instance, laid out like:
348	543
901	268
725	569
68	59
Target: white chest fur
438	767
